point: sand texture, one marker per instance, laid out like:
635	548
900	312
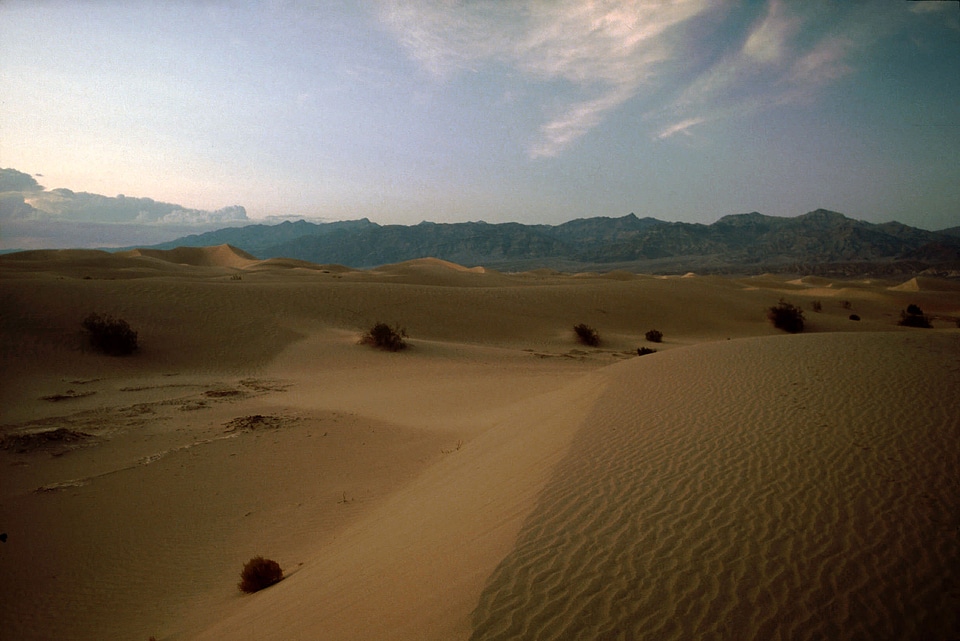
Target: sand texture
496	480
748	491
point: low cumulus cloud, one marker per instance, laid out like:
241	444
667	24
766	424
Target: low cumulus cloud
34	217
742	59
21	198
17	181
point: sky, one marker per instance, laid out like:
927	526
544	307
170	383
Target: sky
529	111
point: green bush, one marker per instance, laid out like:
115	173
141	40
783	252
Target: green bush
587	335
913	316
110	335
654	336
787	317
259	573
385	337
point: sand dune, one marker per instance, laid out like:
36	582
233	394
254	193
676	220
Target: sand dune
219	256
433	262
755	489
927	284
496	480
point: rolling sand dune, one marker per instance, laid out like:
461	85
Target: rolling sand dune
219	256
497	480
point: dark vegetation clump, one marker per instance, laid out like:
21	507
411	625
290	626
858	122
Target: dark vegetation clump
254	423
53	439
385	337
643	351
110	335
913	316
259	573
854	317
787	317
587	335
817	306
654	336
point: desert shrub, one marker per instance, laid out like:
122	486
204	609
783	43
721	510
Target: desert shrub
385	337
110	335
854	317
654	336
259	573
587	335
913	316
643	351
817	306
787	317
845	304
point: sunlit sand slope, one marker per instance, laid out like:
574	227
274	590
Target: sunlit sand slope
775	488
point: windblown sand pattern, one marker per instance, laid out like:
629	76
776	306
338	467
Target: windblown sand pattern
774	488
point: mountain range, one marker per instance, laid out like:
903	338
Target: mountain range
819	242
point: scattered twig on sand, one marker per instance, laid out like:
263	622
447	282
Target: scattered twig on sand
454	449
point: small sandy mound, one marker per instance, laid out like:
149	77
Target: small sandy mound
912	285
438	262
294	263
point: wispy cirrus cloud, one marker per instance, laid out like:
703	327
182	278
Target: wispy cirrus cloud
607	49
768	41
741	60
789	54
682	127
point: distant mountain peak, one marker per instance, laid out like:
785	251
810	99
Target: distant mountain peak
824	215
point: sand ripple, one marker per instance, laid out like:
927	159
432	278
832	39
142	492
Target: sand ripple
780	488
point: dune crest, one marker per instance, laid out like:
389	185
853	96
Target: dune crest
217	256
912	285
430	262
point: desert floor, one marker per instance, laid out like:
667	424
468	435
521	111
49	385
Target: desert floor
496	480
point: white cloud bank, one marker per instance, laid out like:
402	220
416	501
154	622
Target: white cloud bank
22	199
33	217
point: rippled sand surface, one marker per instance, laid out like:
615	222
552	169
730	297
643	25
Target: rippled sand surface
794	488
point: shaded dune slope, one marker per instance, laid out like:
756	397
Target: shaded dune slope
789	487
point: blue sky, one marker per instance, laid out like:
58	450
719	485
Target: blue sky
448	110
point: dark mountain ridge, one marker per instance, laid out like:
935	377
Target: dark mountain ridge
820	241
